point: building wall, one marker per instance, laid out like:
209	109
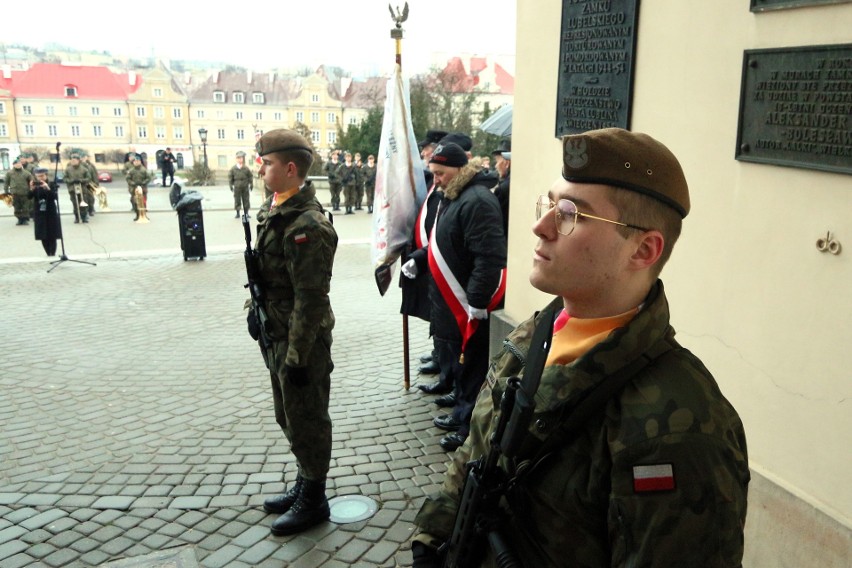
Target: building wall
750	294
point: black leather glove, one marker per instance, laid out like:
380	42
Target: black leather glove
298	376
253	325
424	556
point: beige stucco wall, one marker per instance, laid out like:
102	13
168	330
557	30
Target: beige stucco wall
750	294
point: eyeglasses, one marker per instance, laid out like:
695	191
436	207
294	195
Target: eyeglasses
567	213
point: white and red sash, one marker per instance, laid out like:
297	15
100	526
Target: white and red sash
421	236
453	292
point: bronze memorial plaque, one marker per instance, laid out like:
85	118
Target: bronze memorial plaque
596	52
764	5
796	107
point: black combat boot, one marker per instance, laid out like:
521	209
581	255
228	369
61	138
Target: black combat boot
310	509
280	504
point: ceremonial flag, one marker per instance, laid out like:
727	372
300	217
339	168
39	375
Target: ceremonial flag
400	183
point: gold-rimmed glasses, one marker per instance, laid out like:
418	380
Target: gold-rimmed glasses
566	214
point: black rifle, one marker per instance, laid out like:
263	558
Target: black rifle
257	308
478	514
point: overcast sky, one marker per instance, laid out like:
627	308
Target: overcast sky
353	34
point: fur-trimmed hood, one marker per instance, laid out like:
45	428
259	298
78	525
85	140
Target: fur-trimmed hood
458	183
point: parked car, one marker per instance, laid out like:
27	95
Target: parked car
105	177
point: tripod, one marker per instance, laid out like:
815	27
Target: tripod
63	257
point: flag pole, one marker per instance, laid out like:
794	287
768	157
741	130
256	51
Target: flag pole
396	35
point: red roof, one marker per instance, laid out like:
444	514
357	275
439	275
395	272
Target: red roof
48	80
504	80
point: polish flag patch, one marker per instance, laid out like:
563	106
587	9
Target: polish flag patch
301	238
656	477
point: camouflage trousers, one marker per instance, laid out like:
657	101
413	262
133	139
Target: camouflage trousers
335	189
302	411
241	198
351	193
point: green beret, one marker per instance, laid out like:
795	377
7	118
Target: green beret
75	155
628	160
241	154
281	140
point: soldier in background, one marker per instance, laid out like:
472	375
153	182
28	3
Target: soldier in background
368	174
137	176
77	179
241	180
18	181
89	190
330	169
296	244
359	187
656	474
347	173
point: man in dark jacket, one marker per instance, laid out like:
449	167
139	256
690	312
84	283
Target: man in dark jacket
467	260
503	164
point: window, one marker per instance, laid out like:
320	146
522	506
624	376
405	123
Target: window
332	118
353	120
119	131
96	111
300	116
158	112
3	130
239	115
177	113
75	130
239	97
70	91
140	112
218	97
52	130
158	92
160	132
332	137
220	133
49	110
2	108
220	115
100	158
97	130
258	116
277	116
257	98
27	109
116	111
315	136
178	130
29	129
142	131
199	114
314	98
314	117
241	134
72	111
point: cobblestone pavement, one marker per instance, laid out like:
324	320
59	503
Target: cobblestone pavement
136	417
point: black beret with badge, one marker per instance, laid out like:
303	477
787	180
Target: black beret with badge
629	160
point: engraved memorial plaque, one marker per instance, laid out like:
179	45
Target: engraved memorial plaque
596	53
796	107
764	5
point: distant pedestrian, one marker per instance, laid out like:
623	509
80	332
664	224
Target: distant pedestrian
241	180
168	167
18	181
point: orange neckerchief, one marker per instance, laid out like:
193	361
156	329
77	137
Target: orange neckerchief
279	198
574	337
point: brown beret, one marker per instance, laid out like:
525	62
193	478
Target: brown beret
281	140
629	160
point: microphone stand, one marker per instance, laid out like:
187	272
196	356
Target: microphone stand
63	257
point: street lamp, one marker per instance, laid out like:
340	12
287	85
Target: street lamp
202	132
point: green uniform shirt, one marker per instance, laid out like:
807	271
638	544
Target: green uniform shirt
77	174
18	181
138	175
240	178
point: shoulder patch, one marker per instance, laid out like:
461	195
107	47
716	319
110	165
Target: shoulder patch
301	238
653	477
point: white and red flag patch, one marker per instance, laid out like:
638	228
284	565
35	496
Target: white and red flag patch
301	238
653	477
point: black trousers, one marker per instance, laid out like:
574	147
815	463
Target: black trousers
467	377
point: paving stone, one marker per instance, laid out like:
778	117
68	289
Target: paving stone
61	557
190	502
18	561
39	535
42	519
12	547
120	502
11	533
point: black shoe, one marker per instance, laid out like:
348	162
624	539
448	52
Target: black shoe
435	388
426	358
237	216
86	220
136	218
280	504
310	509
76	221
447	422
430	368
451	442
25	221
446	401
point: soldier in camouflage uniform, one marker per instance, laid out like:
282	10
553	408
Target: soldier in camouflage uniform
18	181
137	175
89	191
368	173
77	179
334	186
296	243
657	475
349	178
241	180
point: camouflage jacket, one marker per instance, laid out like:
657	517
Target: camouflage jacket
18	181
348	175
240	178
591	502
369	175
138	176
296	244
330	169
77	174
